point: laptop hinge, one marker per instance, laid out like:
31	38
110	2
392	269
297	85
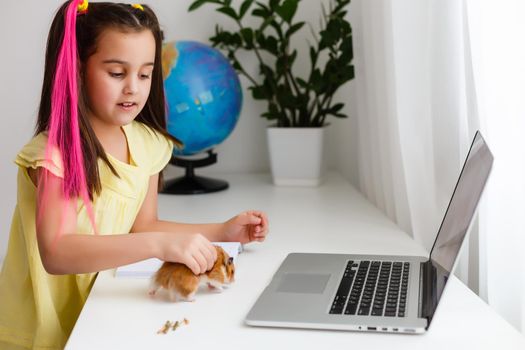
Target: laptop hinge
427	290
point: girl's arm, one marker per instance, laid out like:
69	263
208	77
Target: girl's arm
246	227
63	251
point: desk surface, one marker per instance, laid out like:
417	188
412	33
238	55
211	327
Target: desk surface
332	218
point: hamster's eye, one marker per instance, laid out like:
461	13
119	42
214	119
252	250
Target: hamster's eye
230	261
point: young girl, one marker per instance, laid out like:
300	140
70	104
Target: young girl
91	175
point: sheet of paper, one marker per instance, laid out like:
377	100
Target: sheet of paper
146	268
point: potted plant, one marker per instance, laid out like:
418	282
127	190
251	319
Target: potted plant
296	106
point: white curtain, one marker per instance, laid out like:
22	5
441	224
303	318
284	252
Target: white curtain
498	54
424	87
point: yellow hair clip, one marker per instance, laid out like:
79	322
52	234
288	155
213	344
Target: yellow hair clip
138	6
83	6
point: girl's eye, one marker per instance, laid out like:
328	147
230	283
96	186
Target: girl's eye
116	75
145	76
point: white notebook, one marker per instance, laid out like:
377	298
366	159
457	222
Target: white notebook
146	268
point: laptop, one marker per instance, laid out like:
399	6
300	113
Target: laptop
375	293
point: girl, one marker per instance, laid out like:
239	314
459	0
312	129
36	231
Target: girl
91	174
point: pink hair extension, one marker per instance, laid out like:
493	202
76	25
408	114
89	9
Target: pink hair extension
64	118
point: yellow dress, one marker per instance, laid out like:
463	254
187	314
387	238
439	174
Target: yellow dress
39	310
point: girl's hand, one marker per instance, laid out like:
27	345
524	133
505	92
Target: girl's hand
190	249
247	227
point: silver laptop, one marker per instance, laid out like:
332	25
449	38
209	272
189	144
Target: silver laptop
375	292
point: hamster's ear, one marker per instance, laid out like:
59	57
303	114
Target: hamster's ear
230	260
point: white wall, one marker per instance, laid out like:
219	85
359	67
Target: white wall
23	31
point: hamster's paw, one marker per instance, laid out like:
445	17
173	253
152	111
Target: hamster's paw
173	296
190	298
215	288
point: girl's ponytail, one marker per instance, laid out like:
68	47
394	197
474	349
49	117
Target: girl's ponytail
64	131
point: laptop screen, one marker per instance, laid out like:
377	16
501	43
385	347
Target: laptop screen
459	214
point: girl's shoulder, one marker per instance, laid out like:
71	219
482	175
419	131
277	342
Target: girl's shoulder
149	147
35	154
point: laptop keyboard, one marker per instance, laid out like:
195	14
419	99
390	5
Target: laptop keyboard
373	288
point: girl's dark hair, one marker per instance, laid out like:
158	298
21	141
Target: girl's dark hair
99	17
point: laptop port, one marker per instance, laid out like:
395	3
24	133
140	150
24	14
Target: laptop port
372	328
395	329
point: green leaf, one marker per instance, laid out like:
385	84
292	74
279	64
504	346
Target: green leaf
266	70
236	40
293	56
294	28
336	108
273	112
313	56
259	13
340	5
349	74
277	27
274	4
317	80
347	52
245	7
272	107
257	92
265	23
247	36
271	45
221	38
287	10
228	11
328	39
302	83
236	65
270	116
261	39
263	7
281	65
196	5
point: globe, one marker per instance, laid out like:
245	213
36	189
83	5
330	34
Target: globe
203	94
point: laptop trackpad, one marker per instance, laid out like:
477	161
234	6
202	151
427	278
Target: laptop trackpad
308	283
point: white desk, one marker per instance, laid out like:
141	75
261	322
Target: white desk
332	218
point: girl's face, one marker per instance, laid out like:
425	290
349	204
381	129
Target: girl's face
118	76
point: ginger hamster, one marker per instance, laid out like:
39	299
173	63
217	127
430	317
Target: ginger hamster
182	283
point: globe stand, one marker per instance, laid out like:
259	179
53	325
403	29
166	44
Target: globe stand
191	183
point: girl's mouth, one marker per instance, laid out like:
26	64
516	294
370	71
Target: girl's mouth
127	105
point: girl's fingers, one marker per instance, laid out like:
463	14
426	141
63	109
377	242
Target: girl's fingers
249	218
262	230
259	225
265	221
193	265
210	254
207	251
201	260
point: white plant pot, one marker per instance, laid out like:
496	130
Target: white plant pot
297	155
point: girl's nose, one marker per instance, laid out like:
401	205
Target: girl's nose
131	86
